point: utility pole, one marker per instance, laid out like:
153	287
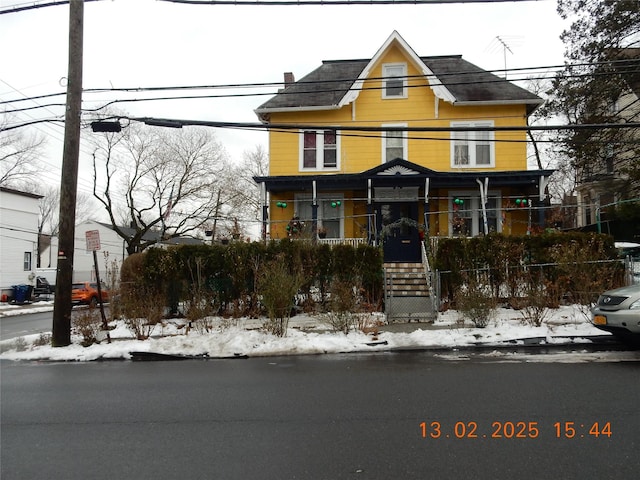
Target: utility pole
69	181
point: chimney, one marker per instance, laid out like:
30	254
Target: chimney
288	79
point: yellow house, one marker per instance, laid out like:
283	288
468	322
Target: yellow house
396	147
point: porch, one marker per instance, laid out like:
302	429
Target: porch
401	203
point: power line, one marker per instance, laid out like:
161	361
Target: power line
33	5
176	123
538	70
269	3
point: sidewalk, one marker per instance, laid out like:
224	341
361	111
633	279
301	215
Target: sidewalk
9	310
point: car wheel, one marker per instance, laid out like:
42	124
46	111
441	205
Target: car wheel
93	303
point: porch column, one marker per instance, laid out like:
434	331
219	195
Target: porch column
426	206
265	211
544	181
371	234
483	202
314	213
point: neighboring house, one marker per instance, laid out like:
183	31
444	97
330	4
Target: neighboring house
112	251
388	147
603	182
111	254
18	238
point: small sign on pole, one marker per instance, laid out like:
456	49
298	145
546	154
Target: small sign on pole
93	240
93	245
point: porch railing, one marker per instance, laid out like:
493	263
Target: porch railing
354	242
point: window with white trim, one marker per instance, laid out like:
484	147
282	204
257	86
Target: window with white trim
466	217
330	212
27	261
394	80
319	150
472	149
394	144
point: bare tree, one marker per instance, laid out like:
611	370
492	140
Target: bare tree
255	163
49	206
157	183
19	154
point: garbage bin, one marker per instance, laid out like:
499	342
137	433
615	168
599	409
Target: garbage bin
21	293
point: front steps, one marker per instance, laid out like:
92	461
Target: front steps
407	293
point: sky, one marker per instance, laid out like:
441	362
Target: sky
566	327
143	43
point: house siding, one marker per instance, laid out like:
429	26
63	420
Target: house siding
491	100
18	234
361	151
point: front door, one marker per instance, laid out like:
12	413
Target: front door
399	231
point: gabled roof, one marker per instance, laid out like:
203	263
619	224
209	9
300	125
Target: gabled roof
338	82
152	236
21	193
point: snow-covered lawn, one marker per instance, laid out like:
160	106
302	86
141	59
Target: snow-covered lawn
306	335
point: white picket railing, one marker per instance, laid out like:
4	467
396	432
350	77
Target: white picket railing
354	242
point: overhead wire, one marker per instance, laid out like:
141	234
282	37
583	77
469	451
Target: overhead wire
57	135
309	83
270	3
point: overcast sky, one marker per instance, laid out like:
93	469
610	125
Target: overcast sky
142	43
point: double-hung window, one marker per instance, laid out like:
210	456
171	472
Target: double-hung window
319	150
394	80
466	215
27	261
394	144
472	148
330	214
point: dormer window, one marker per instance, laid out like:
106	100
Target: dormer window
394	80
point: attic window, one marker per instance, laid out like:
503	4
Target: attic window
394	80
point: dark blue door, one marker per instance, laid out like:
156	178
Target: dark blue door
399	231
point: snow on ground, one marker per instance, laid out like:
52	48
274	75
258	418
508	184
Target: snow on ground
306	335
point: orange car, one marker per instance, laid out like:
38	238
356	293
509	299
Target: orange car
87	293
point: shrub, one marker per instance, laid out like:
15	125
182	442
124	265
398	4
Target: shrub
203	325
141	307
534	304
343	305
201	301
42	340
87	324
476	304
277	287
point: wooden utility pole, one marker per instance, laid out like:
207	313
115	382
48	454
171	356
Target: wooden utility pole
69	180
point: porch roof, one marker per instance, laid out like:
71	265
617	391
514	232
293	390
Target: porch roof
400	172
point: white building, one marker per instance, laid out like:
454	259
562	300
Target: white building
18	238
110	256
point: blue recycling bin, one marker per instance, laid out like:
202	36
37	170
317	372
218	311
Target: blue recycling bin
21	293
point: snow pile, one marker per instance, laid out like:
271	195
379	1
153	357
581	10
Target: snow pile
306	335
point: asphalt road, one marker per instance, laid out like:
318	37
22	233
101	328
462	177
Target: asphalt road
12	326
19	325
320	417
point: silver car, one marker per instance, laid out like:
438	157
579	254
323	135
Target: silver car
618	311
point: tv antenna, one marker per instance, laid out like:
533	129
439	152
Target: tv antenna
501	42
